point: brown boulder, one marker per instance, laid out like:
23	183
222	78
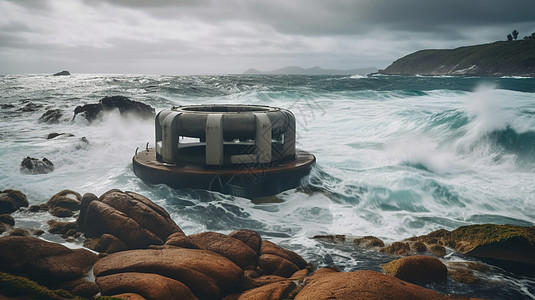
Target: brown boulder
276	260
112	221
273	291
274	249
419	268
130	217
107	243
208	275
363	285
11	200
128	296
178	239
276	265
235	250
84	204
80	287
67	199
249	282
249	237
149	215
49	264
149	286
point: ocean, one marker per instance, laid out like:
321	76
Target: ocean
397	156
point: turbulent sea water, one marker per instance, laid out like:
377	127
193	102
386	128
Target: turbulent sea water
396	157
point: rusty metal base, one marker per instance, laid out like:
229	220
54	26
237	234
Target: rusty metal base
246	181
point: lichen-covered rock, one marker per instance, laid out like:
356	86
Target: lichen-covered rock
417	269
49	264
397	248
11	200
502	242
18	287
362	285
206	274
132	218
369	242
34	166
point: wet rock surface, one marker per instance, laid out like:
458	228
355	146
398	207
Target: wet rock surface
11	200
49	264
34	166
124	105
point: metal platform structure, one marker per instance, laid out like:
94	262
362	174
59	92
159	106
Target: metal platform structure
242	150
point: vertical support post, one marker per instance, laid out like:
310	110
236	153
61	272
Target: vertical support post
263	138
214	140
169	136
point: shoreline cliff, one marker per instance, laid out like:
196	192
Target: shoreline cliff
511	58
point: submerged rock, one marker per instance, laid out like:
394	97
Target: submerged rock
125	106
467	271
34	166
51	116
54	135
30	107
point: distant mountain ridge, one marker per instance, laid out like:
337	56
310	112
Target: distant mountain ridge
511	58
293	70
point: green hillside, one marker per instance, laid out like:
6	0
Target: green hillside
511	58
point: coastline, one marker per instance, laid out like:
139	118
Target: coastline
413	261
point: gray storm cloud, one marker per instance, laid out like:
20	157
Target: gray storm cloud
209	36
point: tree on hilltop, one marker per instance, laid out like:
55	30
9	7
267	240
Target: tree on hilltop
515	34
531	37
509	37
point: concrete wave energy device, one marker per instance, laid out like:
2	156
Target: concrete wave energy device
242	150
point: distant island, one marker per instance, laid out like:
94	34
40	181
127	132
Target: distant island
506	58
312	71
62	73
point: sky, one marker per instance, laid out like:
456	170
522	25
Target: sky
176	37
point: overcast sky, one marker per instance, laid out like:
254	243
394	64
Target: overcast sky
230	36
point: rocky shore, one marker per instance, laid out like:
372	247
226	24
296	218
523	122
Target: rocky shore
134	250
